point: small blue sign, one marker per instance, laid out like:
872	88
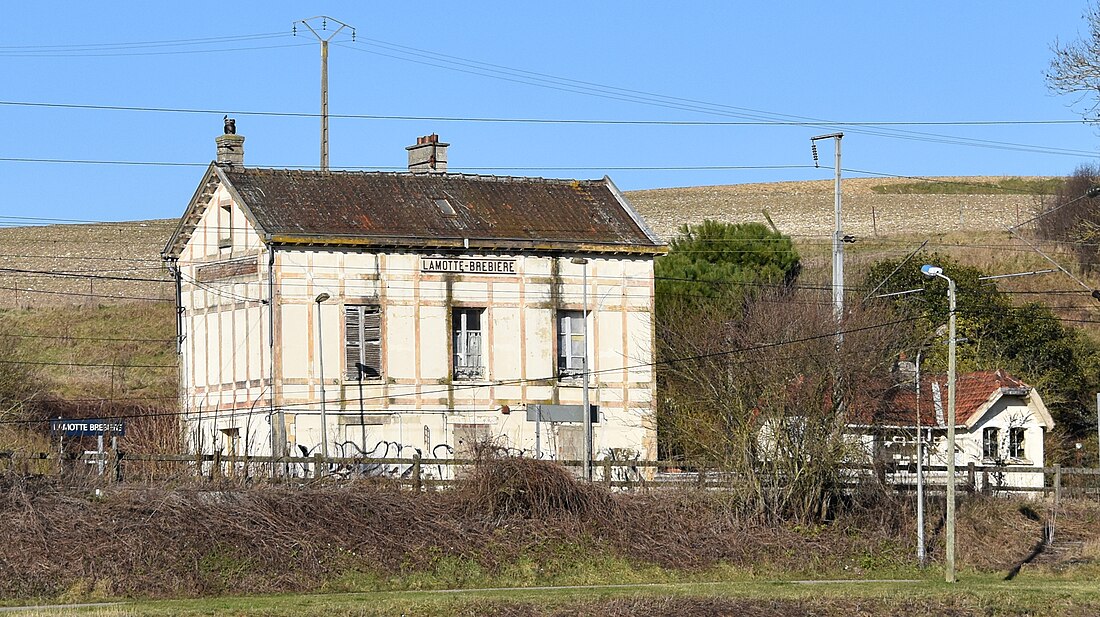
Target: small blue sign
88	426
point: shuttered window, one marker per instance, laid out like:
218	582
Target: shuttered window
362	341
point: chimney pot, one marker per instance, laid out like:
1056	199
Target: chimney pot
429	155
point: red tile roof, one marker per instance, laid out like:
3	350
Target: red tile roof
898	404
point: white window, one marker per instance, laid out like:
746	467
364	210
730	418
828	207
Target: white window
1016	442
466	325
571	352
362	342
991	443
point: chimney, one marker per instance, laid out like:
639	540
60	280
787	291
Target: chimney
230	145
429	155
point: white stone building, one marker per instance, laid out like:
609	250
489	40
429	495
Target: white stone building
426	310
1000	422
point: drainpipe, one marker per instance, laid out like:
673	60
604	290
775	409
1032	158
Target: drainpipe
276	422
174	269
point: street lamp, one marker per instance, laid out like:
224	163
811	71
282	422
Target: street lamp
585	409
321	365
936	271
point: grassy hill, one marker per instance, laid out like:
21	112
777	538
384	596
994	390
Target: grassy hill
871	206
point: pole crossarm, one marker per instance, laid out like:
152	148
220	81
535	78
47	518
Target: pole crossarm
324	40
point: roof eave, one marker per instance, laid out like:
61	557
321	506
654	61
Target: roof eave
411	242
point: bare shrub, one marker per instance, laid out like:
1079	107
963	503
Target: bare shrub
1071	216
510	486
768	393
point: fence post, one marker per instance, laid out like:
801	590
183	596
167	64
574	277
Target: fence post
198	464
1057	483
970	478
116	465
702	477
416	472
318	465
607	472
216	465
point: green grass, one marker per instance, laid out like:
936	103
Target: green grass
985	595
1007	186
136	337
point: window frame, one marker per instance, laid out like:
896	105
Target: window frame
362	342
225	225
991	448
563	342
1017	436
461	336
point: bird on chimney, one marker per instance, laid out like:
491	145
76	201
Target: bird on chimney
230	125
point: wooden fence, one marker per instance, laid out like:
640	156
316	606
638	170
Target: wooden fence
419	473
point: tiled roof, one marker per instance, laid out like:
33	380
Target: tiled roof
296	206
898	404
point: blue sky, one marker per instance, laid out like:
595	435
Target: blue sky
723	62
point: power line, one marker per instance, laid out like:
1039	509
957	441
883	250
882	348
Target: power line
507	120
138	44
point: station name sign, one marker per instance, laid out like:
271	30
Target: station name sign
88	426
467	265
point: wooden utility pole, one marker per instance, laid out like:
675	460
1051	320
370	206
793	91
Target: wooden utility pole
324	40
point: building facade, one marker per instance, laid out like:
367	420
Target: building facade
1000	422
386	314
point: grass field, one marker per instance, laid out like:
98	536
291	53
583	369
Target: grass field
973	595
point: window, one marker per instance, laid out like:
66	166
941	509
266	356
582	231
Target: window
362	342
225	227
991	448
466	327
1016	442
570	344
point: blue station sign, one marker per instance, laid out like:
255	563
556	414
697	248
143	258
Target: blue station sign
88	427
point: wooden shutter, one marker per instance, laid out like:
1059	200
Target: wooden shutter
372	342
353	335
363	341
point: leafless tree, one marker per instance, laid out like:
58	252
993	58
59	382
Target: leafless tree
1075	68
1072	218
767	395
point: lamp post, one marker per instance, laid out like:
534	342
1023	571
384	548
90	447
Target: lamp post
936	271
585	409
321	366
920	474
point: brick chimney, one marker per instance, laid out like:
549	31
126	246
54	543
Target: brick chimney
428	156
230	146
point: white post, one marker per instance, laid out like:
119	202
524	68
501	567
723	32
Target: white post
321	368
585	407
949	566
950	553
920	474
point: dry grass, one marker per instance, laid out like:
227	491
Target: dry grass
805	209
65	538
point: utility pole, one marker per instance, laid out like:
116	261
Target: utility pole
838	233
324	40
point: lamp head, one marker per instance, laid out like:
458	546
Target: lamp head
321	298
930	270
